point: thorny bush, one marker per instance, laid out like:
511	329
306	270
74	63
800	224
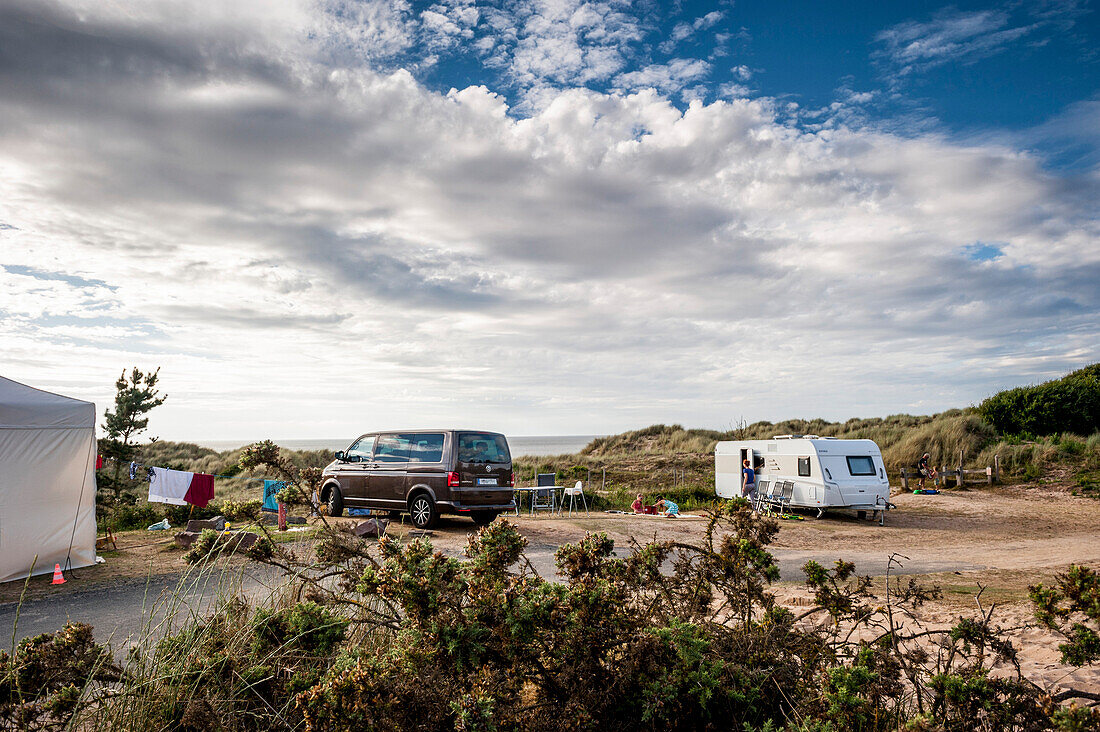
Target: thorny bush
668	635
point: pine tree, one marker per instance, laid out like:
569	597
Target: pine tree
135	396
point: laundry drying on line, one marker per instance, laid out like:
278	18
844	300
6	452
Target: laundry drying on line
178	487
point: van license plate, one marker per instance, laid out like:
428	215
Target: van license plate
486	481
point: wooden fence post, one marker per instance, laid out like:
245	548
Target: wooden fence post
989	476
997	468
904	480
603	483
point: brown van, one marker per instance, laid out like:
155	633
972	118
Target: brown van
423	473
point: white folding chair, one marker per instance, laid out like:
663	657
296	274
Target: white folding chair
571	494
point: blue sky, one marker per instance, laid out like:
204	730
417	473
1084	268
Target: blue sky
962	68
546	216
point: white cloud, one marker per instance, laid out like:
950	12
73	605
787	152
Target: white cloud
955	36
670	77
315	249
682	31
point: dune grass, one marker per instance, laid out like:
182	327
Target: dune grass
678	462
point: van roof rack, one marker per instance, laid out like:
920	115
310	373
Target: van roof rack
796	437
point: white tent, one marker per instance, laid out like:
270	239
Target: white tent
47	481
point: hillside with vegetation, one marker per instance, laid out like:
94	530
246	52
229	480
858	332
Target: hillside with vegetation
1049	430
1020	426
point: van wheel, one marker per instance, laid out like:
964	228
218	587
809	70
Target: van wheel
335	502
422	511
484	518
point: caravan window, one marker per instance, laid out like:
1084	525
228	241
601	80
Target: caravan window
803	466
861	465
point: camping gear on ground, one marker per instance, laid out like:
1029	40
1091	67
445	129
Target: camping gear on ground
358	512
107	540
571	494
47	482
823	472
161	525
371	528
58	578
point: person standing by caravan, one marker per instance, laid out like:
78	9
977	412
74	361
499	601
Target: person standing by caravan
748	481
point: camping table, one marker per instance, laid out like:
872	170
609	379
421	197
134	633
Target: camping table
531	490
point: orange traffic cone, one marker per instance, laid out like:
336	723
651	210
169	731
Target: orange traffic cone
58	578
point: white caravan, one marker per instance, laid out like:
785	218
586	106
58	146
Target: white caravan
826	472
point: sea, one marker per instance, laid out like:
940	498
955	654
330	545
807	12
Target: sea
520	445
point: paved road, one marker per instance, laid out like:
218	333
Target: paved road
121	613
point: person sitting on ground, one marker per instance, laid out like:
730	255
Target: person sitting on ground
748	481
926	471
666	507
638	506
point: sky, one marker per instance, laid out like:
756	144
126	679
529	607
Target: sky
322	217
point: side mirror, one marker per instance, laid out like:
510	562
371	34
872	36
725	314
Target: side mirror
339	455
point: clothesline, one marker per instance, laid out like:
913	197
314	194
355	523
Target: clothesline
137	465
178	487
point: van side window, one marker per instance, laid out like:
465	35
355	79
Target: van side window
425	448
361	450
392	449
803	466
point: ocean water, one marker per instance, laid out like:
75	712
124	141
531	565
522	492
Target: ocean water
520	445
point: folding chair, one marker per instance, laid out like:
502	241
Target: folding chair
771	501
782	501
759	499
572	493
543	500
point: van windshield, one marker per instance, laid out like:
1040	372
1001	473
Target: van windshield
861	465
481	447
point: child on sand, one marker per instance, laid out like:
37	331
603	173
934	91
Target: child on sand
667	508
638	506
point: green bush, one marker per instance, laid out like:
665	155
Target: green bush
304	627
42	682
673	635
138	516
247	510
1069	404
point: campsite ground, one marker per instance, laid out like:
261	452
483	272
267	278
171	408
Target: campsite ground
1002	538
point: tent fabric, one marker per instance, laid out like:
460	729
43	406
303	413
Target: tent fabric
47	481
